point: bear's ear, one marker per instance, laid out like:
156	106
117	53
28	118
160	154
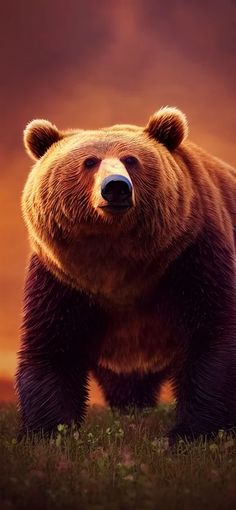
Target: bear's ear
39	135
168	126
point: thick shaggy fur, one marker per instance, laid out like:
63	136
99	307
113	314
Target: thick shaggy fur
135	298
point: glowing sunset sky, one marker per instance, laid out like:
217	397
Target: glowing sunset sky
98	63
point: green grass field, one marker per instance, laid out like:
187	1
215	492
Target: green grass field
115	462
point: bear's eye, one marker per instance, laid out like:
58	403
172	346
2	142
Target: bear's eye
90	162
129	160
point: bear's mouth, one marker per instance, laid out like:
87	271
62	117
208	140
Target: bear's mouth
116	208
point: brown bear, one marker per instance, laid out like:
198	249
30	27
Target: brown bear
131	276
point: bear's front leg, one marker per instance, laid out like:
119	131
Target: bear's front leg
205	393
203	290
58	332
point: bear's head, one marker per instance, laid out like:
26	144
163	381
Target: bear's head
101	204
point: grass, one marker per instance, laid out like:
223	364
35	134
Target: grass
115	462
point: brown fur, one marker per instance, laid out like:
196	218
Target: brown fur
136	296
114	258
130	342
168	129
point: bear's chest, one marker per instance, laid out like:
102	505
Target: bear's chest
111	273
137	340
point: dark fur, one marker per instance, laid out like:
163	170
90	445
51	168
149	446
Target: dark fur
59	334
123	391
158	298
63	328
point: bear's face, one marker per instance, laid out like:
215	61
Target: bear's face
95	200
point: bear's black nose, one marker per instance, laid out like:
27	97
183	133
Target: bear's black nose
116	189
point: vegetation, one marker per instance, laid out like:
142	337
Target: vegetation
115	462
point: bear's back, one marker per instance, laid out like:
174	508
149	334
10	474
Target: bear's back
214	178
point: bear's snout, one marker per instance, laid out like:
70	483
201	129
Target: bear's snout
117	192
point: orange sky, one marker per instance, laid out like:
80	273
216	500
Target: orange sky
98	63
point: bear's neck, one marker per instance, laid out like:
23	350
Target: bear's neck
118	271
